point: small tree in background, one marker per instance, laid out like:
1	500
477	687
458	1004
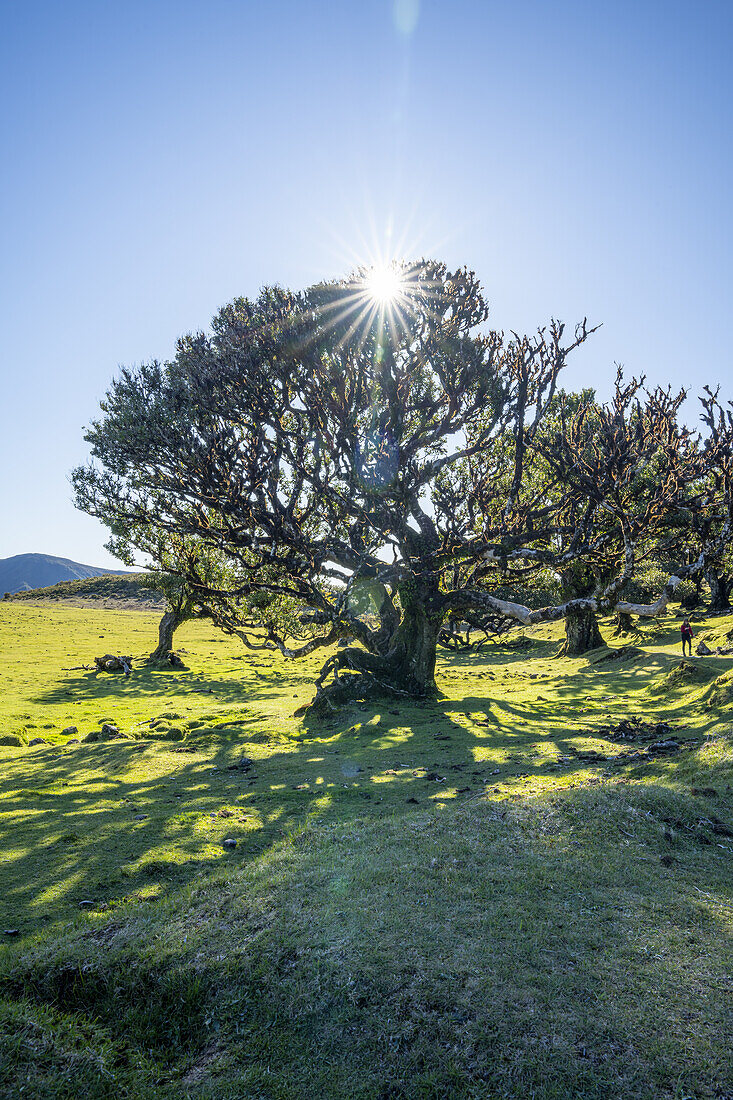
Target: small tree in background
712	523
175	565
596	485
623	467
183	605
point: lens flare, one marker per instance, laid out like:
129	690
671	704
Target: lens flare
379	300
383	284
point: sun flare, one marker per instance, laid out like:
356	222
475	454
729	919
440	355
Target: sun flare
384	284
379	297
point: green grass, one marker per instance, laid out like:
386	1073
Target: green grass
446	899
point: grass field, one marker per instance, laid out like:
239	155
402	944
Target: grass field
479	896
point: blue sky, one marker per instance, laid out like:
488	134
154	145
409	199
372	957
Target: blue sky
162	158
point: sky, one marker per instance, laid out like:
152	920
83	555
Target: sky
160	159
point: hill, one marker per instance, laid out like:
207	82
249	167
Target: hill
114	590
25	571
518	889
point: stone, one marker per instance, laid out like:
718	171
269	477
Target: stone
108	732
244	764
38	741
140	817
70	731
11	931
229	843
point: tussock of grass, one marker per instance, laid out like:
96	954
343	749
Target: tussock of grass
623	653
721	692
682	676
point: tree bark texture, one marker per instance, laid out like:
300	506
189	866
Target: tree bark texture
624	623
581	633
719	590
167	627
409	663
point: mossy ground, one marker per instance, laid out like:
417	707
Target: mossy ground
444	899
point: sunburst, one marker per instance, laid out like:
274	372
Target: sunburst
384	283
379	293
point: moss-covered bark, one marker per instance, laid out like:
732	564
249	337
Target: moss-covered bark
624	623
581	632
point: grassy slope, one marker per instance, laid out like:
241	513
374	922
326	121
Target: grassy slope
110	590
422	901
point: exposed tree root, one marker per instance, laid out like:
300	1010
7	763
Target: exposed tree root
357	676
351	688
171	659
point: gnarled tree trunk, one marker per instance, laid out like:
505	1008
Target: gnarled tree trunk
581	632
412	652
624	623
405	665
719	590
166	628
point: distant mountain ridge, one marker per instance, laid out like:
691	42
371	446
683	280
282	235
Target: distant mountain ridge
26	571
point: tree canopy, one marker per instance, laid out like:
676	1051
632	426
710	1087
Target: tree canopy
370	469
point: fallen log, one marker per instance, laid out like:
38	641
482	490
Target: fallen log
112	663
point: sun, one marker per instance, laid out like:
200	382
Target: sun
376	298
384	284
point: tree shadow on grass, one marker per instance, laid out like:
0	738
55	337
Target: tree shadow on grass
75	831
496	920
147	683
500	947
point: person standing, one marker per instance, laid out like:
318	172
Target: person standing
686	632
